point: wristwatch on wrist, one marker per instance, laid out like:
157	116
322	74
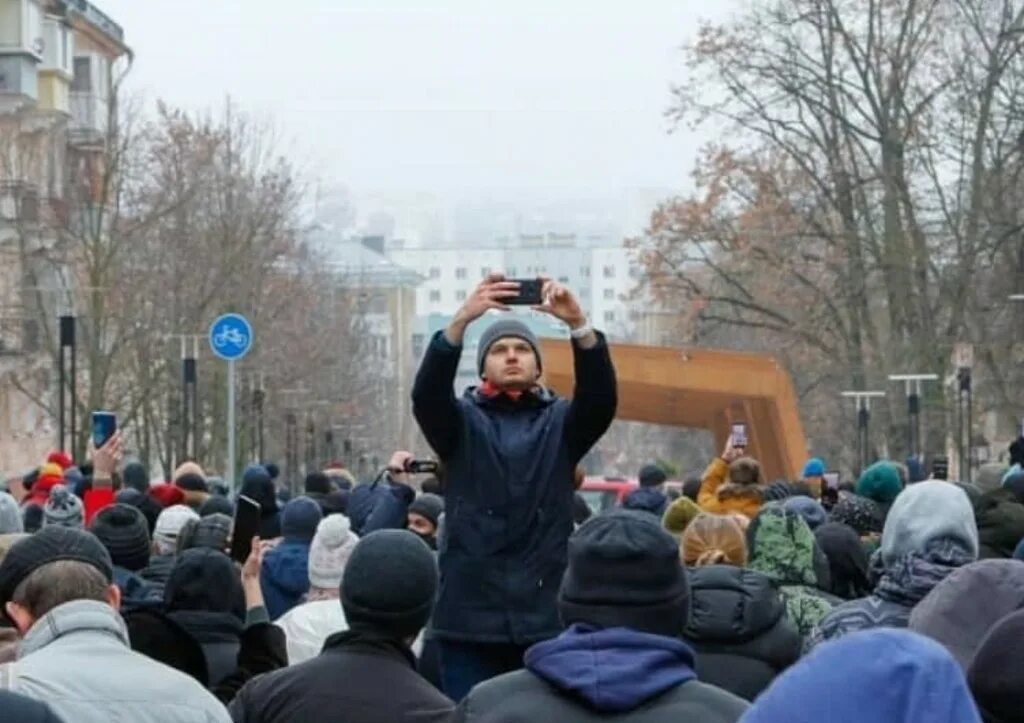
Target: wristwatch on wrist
582	331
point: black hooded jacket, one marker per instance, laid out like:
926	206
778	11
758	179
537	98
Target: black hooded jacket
204	596
739	628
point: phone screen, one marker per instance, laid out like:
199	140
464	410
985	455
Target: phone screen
739	434
831	480
104	426
529	293
245	527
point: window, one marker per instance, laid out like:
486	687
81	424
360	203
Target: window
82	79
484	271
609	272
609	317
435	295
609	293
417	345
563	279
460	295
585	271
435	272
460	273
56	45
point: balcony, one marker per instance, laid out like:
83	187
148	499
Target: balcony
89	119
98	18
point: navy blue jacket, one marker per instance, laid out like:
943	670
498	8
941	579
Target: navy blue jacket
508	470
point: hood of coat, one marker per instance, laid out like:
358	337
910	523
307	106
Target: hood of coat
205	580
908	579
731	605
783	548
612	670
901	677
287	566
1000	519
74	617
962	608
847	560
647	499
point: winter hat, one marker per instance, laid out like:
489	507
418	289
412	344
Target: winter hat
815	467
679	514
713	540
75	480
169	524
63	509
897	676
961	609
330	551
50	474
257	485
973	492
61	459
504	329
145	504
777	491
218	487
624	571
167	495
32	517
188	468
213	531
272	469
860	513
995	674
989	476
124	532
389	584
915	470
812	512
335	503
204	580
136	476
317	483
847	560
651	476
191	483
10	515
1015	484
216	505
300	519
428	506
924	512
50	545
880	482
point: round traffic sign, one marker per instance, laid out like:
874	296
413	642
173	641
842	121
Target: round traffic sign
231	337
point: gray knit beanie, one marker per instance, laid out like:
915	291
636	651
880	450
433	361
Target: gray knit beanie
63	509
503	329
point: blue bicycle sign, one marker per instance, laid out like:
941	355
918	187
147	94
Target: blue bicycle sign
231	337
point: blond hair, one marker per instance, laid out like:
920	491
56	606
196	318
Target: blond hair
713	540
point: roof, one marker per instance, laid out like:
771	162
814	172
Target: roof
354	261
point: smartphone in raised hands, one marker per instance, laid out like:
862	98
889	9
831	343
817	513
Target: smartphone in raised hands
739	435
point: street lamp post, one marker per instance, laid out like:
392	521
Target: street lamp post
912	386
863	401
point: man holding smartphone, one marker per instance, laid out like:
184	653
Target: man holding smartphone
509	448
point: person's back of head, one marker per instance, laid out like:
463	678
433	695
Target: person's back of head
204	580
300	519
928	512
63	509
995	674
847	560
10	515
691	487
884	676
136	476
651	475
389	585
317	483
745	472
624	571
168	527
329	553
880	482
216	505
713	540
679	514
57	565
782	546
123	530
811	510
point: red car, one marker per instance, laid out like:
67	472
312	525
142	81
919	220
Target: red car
602	493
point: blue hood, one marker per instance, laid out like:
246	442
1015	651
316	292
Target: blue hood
613	670
899	676
287	566
646	499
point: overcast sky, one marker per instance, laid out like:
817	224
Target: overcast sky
452	97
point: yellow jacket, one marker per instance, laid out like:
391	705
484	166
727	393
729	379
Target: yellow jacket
720	498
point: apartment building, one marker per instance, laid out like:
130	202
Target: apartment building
59	62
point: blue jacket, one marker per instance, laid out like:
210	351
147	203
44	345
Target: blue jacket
878	675
647	499
599	675
508	470
284	577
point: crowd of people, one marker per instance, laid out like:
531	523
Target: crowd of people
491	593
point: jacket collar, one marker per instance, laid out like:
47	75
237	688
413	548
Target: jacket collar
487	395
78	616
366	640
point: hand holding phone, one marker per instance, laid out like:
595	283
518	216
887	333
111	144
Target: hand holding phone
529	293
104	426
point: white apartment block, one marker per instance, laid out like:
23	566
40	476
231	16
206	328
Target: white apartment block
603	278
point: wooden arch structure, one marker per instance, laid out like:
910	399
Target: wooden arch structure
705	389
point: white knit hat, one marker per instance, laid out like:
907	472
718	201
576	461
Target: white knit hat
329	552
169	524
